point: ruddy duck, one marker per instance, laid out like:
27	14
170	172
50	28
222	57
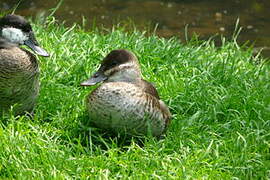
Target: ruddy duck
19	71
125	103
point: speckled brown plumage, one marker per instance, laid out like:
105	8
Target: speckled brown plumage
121	106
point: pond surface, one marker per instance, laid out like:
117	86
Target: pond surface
203	17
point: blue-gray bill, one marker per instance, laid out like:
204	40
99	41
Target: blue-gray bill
36	48
96	78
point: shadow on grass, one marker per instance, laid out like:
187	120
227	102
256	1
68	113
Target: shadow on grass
90	135
10	117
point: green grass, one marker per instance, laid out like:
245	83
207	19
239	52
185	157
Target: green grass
219	98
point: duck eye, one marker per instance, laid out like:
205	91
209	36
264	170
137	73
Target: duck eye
113	63
95	75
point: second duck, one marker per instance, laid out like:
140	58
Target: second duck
125	103
19	72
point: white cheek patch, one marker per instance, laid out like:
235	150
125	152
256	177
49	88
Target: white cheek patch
14	35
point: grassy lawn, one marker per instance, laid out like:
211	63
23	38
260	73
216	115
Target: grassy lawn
219	98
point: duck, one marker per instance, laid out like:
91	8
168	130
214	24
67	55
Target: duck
125	103
19	68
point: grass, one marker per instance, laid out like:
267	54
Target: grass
219	98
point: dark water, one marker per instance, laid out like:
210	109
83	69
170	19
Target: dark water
203	17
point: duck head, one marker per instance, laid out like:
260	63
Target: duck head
118	66
15	29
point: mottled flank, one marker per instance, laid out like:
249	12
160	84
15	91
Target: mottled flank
19	84
125	103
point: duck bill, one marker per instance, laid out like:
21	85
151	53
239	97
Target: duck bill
33	44
96	78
